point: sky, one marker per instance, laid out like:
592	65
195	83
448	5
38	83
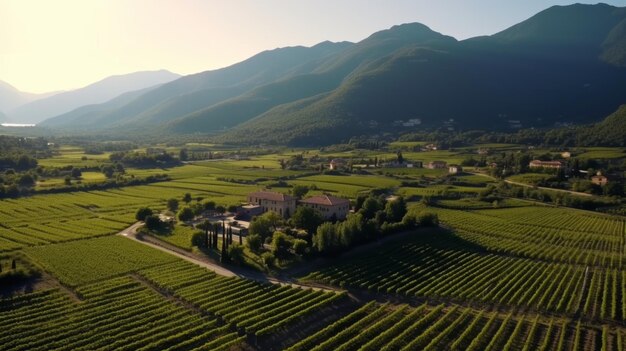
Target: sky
66	44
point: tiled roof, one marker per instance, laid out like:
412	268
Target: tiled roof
325	200
272	196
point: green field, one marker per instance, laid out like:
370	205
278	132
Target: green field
503	274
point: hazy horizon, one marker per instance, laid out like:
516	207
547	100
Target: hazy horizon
66	45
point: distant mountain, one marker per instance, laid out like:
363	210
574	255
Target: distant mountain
11	98
566	64
3	117
84	117
551	68
198	91
95	93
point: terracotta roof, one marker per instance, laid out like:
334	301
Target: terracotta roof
325	200
547	163
271	195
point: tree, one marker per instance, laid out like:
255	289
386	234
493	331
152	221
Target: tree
185	214
76	173
325	238
400	157
26	181
299	191
308	219
172	204
206	225
153	222
254	242
142	213
395	209
197	239
187	198
13	264
427	219
300	246
235	254
107	170
232	208
370	206
220	209
281	243
183	155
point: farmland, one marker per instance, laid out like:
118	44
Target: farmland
497	275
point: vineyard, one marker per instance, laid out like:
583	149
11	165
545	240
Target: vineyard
439	266
385	327
545	233
133	312
504	275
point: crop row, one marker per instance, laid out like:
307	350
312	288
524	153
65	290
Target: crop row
436	267
120	314
506	231
258	308
393	328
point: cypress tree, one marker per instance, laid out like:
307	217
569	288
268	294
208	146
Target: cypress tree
13	264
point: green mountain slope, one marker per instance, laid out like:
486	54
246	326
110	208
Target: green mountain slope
611	131
328	75
198	91
545	70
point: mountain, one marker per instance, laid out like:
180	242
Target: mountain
11	98
3	118
325	76
98	92
551	68
609	132
198	91
566	64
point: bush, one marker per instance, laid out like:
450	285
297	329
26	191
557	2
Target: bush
235	253
142	213
198	239
185	214
153	222
268	259
428	219
254	242
300	247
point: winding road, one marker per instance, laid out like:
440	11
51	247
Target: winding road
131	233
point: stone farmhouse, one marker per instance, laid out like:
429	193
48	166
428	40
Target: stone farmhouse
329	206
283	204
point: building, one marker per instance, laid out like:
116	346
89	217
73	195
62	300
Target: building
283	204
455	169
545	164
566	154
437	165
599	179
249	210
328	206
336	164
430	147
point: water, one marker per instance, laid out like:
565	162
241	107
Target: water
17	125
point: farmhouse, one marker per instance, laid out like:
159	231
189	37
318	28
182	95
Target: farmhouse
455	169
599	179
336	164
545	164
283	204
437	165
328	206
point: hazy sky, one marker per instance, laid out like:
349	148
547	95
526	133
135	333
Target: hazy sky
50	45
